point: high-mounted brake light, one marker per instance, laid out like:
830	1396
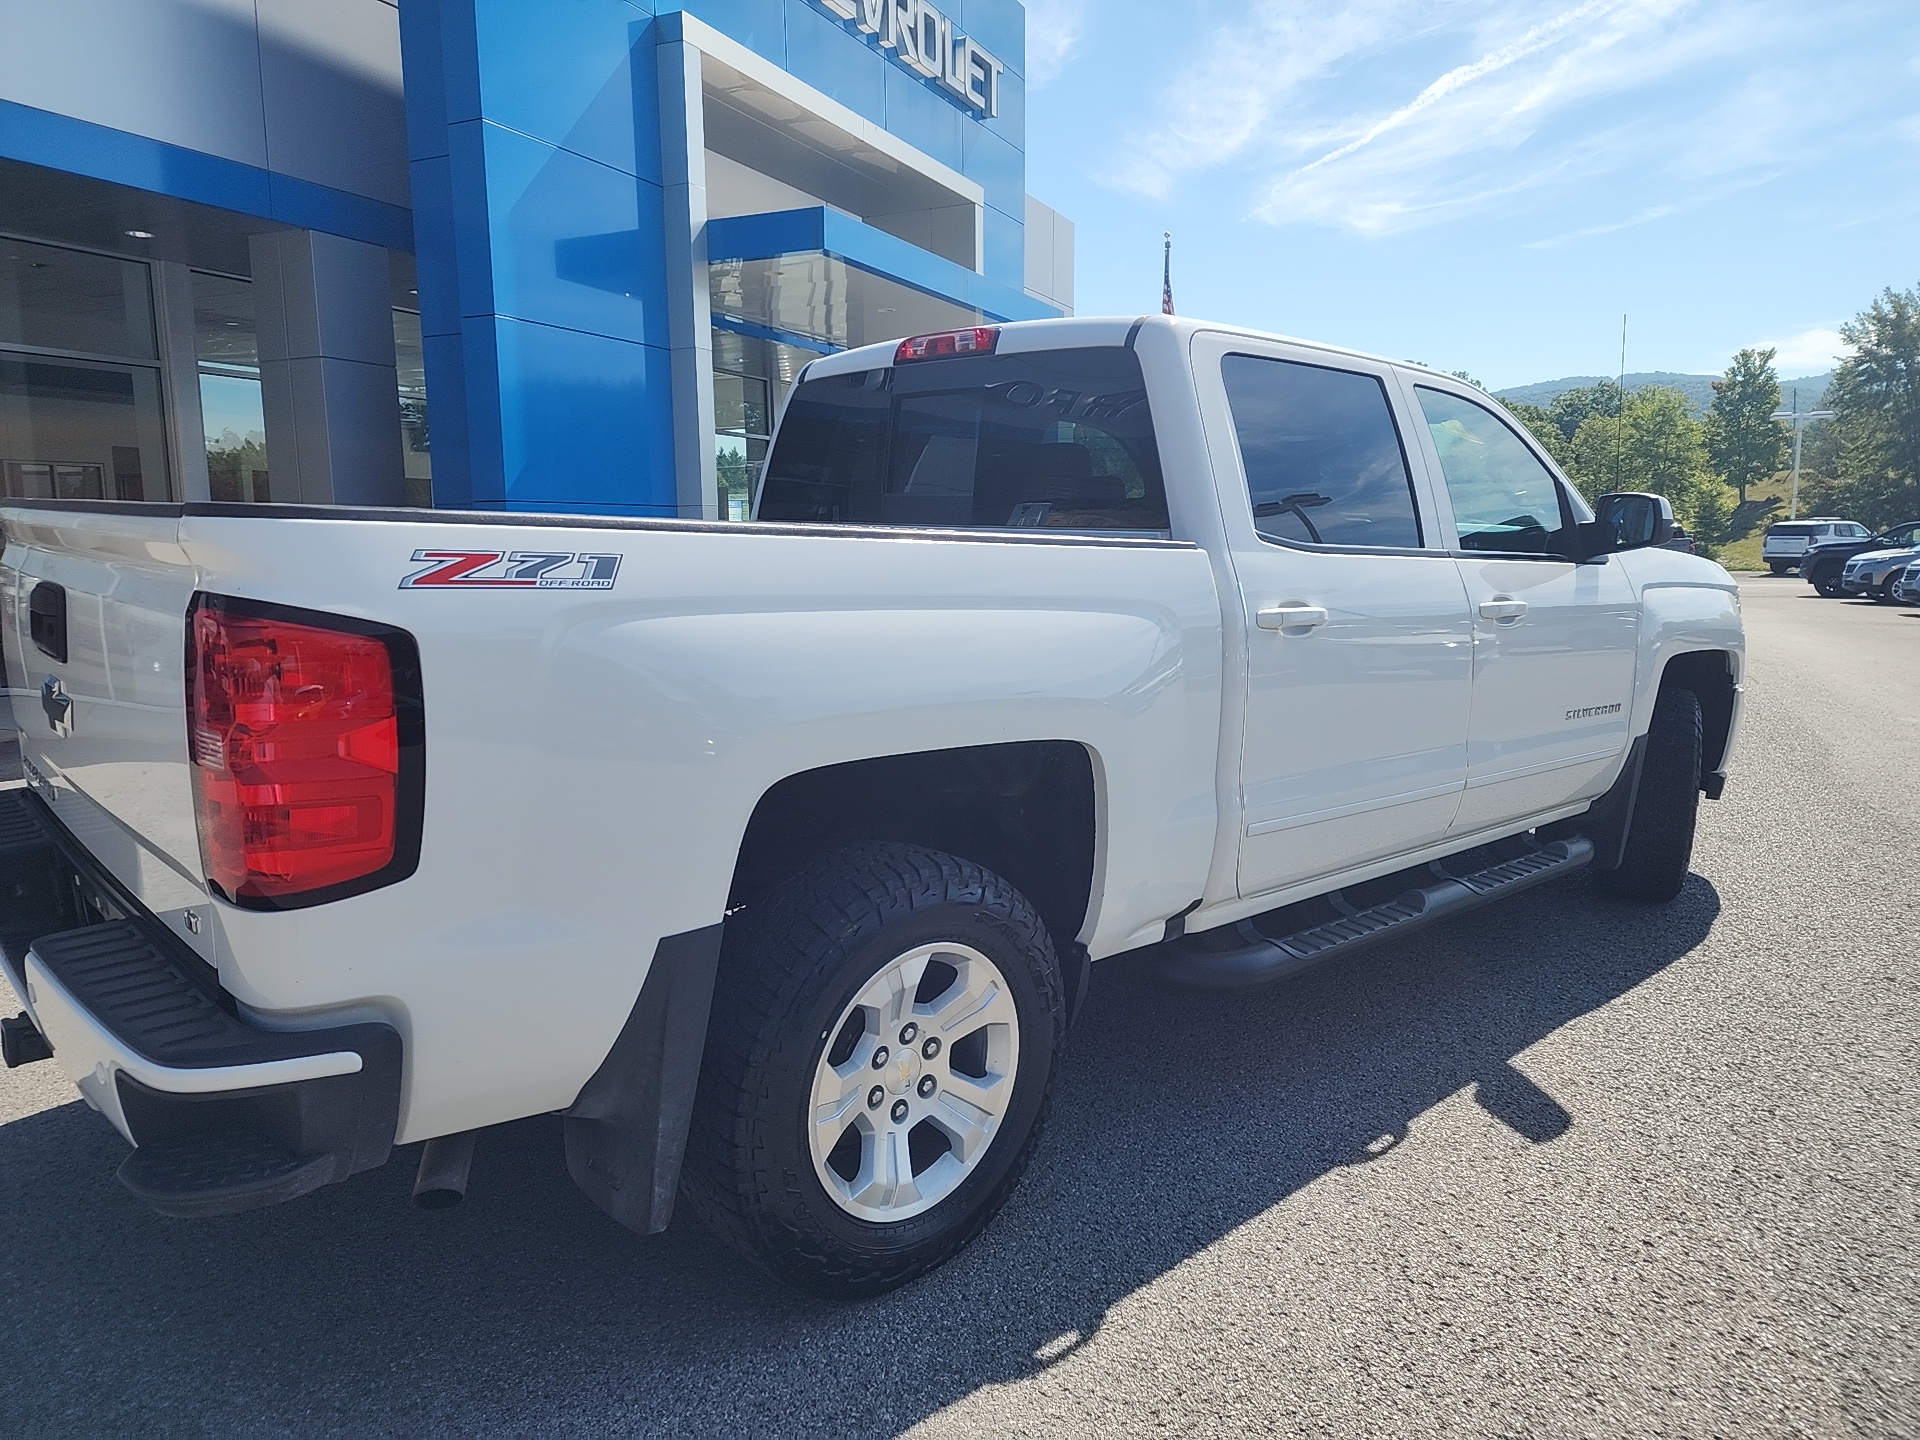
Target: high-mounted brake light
978	341
306	739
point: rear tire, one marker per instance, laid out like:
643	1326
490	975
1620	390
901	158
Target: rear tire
1666	806
1777	567
1885	594
841	960
1826	580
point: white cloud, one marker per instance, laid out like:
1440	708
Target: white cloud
1340	116
1249	76
1811	352
1432	156
1054	32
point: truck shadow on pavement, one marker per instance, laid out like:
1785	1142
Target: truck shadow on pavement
1178	1117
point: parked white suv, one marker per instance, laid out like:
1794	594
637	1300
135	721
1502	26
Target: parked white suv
1790	539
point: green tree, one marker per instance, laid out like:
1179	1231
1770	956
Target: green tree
1542	426
1573	408
1744	442
1714	509
1874	438
1655	444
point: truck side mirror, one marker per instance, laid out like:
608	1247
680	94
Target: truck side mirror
1629	521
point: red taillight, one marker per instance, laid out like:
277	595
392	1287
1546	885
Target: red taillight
978	341
304	738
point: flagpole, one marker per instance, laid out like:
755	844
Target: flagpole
1166	275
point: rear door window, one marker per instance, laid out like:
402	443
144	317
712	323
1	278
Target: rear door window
1322	455
1050	440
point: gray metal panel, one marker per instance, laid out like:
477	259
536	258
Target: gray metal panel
331	76
1063	261
183	71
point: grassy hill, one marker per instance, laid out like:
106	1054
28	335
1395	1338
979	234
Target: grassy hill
1697	388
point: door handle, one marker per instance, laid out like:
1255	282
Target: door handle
1290	617
1503	610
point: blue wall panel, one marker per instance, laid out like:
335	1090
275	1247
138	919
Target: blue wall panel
79	147
931	123
999	25
585	423
543	298
759	25
1003	245
574	243
534	132
826	55
562	72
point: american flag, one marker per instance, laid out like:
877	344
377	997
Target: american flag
1166	277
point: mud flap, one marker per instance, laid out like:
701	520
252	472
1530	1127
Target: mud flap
627	1131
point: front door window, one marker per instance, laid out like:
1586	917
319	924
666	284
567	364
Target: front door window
1504	499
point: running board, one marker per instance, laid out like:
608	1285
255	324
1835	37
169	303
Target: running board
1249	953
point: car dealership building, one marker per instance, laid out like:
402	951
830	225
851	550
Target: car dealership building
491	254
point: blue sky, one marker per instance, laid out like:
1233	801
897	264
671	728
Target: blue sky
1489	184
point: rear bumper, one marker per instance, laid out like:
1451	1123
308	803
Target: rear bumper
225	1114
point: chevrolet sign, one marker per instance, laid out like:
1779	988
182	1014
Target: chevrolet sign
922	39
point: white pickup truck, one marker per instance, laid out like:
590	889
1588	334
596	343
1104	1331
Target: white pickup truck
776	855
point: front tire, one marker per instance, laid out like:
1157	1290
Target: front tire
1666	805
889	971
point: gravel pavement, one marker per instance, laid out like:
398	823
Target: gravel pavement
1567	1166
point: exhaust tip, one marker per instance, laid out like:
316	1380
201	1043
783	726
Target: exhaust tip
445	1161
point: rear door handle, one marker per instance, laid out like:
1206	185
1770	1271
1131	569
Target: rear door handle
1503	611
1290	617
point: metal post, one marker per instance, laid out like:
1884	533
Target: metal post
1793	504
1799	419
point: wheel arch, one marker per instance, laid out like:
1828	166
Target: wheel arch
1027	810
1710	674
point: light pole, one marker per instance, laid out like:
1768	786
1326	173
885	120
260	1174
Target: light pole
1800	419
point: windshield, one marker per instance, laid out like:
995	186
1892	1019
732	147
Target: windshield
1054	439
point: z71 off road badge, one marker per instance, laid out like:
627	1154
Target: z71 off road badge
511	570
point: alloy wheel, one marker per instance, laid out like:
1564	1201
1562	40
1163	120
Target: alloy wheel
913	1082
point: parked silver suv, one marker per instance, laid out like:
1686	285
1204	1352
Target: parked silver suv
1786	542
1906	587
1876	572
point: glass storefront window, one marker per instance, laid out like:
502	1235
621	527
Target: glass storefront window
228	355
80	430
410	360
824	298
743	422
55	299
751	377
80	403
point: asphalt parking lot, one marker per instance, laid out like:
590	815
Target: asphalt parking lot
1566	1166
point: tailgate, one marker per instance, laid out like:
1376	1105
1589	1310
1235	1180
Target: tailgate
97	686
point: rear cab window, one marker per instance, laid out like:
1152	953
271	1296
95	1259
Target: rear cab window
1046	440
